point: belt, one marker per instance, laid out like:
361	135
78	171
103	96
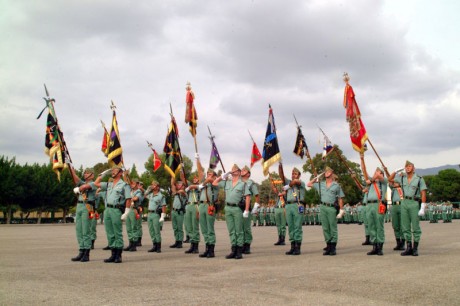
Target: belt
153	211
204	202
89	202
301	202
176	209
328	204
396	203
231	204
113	206
372	202
411	198
192	203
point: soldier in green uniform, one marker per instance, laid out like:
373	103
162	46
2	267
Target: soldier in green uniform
131	221
237	199
86	191
377	189
192	214
331	197
317	214
178	211
254	193
262	214
396	194
367	241
157	213
118	199
414	189
207	210
347	216
140	212
294	193
444	212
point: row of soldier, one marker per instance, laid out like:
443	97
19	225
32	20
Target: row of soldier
194	205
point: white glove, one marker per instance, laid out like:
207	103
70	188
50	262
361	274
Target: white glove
254	209
399	170
105	173
421	212
162	217
286	187
197	156
127	210
230	177
246	214
225	175
341	213
201	186
187	189
76	190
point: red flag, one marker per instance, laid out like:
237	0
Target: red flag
190	112
156	161
255	154
358	134
104	146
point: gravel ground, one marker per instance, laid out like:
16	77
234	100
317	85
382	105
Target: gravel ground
35	269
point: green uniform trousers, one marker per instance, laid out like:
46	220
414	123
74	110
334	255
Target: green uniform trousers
234	220
177	220
329	223
376	223
130	225
192	223
396	221
280	220
365	221
207	224
92	229
138	226
294	221
247	231
410	222
113	227
82	227
153	221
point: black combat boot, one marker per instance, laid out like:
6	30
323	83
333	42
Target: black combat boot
327	249
206	252
79	256
233	253
111	258
174	245
297	248
332	251
211	251
280	241
401	247
129	246
191	249
291	251
374	250
380	249
408	250
139	241
367	242
179	245
133	247
415	249
158	250
85	257
106	248
187	239
154	248
398	245
118	256
92	244
247	248
238	253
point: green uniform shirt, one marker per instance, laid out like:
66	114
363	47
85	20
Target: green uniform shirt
137	193
156	200
296	193
411	189
372	195
234	194
331	194
179	201
117	194
90	193
212	192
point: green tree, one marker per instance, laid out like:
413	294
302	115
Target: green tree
8	186
445	186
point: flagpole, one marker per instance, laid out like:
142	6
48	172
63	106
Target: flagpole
306	149
180	152
384	168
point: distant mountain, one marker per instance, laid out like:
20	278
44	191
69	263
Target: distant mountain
435	170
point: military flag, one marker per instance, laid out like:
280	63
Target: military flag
271	152
255	154
55	146
190	111
358	134
114	150
215	157
105	141
156	161
327	148
172	149
300	147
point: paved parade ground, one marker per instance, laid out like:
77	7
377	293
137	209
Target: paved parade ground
35	269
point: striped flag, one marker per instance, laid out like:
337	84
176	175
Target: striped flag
114	150
271	152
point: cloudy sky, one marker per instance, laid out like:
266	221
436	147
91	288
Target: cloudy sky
240	56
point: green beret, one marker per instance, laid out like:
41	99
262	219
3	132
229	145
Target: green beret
409	163
247	168
296	170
